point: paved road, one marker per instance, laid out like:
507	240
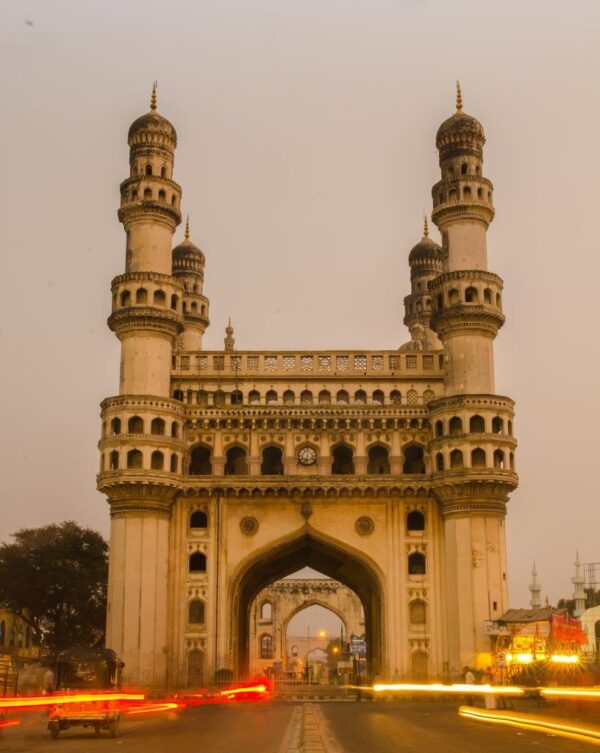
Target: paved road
279	728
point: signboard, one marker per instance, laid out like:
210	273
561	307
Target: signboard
566	628
358	645
344	665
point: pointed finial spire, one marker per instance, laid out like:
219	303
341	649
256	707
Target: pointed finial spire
425	226
187	228
153	97
459	102
229	338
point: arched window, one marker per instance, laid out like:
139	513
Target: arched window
141	295
476	425
194	306
148	170
266	647
324	397
134	459
162	196
487	296
195	673
272	462
456	459
343	460
456	425
395	397
415	521
163	172
175	430
342	397
125	298
379	461
378	397
414	459
497	425
134	195
157	426
178	395
510	428
417	564
157	461
452	194
480	193
174	466
219	398
196	612
135	425
478	459
498	300
237	397
428	396
472	295
453	297
266	611
288	397
306	397
235	463
467	193
417	611
115	426
439	428
200	461
439	462
360	397
418	665
499	459
197	562
271	397
511	458
147	193
114	461
412	397
198	519
463	168
174	302
254	397
2	633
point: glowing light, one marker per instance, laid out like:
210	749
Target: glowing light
509	657
524	658
154	707
530	722
248	689
322	633
571	692
436	687
564	659
9	723
56	700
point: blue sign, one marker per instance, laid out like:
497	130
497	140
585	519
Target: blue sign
358	645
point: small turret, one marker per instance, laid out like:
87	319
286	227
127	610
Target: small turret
426	263
188	270
578	588
229	338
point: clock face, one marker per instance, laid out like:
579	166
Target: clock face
307	456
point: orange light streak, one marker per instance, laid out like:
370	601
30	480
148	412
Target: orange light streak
534	723
438	687
9	723
571	692
249	689
16	702
154	707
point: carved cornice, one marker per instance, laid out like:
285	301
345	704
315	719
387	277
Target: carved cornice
117	441
135	403
477	275
147	487
473	489
149	210
474	318
459	211
144	319
502	440
157	277
471	402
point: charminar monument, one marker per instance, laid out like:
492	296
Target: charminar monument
388	471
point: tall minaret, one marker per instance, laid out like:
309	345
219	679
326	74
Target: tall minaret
141	446
426	263
535	589
578	588
473	447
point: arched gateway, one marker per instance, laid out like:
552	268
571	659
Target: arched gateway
225	470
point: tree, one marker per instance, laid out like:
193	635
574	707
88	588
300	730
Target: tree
56	575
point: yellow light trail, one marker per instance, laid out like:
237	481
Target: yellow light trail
153	707
60	700
250	689
533	723
436	687
571	692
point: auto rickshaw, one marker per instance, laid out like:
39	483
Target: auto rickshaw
86	670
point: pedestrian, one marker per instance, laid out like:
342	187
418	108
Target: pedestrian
489	698
48	681
468	679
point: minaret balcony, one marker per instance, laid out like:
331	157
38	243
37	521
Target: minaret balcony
147	288
469	298
142	318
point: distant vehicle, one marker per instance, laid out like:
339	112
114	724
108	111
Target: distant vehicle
86	670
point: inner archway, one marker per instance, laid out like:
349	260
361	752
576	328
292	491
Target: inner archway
308	548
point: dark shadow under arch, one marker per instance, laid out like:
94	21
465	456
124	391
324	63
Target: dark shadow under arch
330	557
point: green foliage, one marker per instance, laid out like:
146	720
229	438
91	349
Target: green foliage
57	576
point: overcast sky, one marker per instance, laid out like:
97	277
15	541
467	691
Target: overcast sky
306	155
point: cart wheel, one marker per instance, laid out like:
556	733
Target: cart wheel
113	727
97	729
54	730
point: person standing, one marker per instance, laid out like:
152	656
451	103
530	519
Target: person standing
489	698
469	679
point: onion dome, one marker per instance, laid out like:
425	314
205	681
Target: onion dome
425	248
187	257
460	129
153	124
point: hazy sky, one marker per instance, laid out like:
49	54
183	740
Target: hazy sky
306	155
